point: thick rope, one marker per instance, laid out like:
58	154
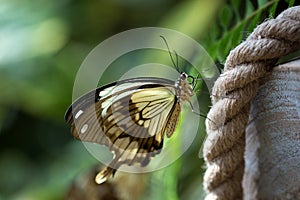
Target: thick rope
234	89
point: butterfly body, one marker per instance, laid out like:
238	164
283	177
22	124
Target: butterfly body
131	117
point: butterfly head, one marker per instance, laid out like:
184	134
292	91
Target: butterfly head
183	76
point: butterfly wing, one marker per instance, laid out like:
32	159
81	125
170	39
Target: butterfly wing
130	117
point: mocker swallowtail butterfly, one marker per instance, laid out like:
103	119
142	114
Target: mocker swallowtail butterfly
134	115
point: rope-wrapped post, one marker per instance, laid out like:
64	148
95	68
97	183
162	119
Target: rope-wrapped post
231	96
272	152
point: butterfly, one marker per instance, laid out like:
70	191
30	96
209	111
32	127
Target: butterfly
131	117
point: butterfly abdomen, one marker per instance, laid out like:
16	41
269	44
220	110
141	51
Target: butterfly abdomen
173	120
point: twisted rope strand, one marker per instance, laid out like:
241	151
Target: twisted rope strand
232	93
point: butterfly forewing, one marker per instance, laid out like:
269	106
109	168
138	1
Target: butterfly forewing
84	109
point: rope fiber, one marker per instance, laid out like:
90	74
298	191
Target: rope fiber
231	96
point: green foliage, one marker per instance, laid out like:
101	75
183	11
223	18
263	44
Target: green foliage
236	21
42	45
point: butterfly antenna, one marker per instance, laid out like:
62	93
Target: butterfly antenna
176	61
170	54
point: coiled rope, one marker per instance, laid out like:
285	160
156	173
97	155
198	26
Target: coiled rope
231	96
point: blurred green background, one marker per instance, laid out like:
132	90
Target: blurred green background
43	43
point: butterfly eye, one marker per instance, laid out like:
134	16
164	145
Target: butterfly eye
183	76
